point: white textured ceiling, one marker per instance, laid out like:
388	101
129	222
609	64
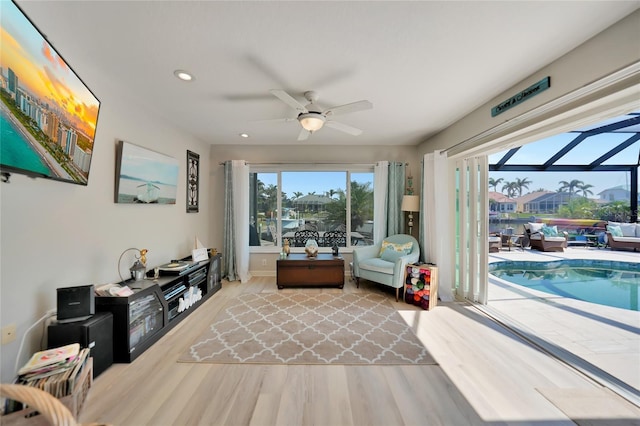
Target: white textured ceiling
423	65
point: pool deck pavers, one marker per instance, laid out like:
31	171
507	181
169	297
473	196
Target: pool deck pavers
603	340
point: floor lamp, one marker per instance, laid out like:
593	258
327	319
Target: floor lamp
410	203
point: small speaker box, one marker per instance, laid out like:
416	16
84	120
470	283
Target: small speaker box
76	303
95	333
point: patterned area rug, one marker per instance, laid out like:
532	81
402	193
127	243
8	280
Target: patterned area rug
316	328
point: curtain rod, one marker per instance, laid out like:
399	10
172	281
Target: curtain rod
307	164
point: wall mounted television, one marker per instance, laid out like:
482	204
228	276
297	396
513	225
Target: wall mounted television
48	116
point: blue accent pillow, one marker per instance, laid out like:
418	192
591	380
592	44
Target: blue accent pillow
616	231
390	255
550	231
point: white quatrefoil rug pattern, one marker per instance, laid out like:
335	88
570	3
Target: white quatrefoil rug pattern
309	328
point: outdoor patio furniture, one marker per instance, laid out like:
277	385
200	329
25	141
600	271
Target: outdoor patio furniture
539	241
629	238
331	238
495	242
300	238
580	240
516	240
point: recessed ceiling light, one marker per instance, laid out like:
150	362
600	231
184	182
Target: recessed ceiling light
244	135
183	75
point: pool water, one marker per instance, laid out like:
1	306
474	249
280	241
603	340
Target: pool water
606	283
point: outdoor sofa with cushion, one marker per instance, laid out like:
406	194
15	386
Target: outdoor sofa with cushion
386	261
495	242
545	238
622	235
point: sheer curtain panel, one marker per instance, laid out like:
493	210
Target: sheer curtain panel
235	256
435	213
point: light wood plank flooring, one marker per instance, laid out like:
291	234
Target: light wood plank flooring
486	375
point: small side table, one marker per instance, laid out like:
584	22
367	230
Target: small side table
593	240
426	270
516	241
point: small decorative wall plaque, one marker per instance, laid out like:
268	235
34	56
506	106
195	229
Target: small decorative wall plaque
193	176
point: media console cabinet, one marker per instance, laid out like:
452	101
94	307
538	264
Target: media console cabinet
141	319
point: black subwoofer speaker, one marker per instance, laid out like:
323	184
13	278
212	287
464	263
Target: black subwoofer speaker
95	333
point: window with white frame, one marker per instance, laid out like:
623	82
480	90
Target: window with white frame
335	203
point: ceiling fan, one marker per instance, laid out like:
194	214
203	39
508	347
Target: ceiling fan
312	118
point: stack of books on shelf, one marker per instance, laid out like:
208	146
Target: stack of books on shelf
55	371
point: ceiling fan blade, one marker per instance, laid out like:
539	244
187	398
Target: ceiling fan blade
275	120
247	97
343	128
287	99
267	70
352	107
304	135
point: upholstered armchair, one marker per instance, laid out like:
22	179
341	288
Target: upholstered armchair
386	266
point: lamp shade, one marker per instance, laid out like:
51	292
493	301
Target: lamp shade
311	121
410	203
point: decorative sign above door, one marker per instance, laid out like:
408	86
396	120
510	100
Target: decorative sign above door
525	95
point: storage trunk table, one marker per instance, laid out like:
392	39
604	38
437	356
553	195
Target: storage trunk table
299	270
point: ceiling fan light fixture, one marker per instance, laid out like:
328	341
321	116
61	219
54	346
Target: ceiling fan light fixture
311	121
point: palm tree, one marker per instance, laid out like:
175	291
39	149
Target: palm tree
361	205
584	189
569	187
494	183
268	198
297	194
522	183
511	188
330	193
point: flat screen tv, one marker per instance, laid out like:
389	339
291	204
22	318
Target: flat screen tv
48	115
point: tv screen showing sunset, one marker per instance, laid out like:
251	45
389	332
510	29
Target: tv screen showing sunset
48	116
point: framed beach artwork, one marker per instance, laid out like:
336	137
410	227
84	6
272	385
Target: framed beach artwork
144	176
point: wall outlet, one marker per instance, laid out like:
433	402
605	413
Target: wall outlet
8	334
264	262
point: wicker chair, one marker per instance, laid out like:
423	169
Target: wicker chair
617	243
495	242
54	412
538	241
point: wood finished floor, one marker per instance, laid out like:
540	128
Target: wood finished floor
486	375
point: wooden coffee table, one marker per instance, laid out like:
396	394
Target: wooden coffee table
298	270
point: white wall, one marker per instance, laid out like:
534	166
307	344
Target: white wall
304	153
610	51
55	234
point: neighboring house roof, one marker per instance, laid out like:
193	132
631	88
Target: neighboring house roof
616	188
500	197
547	196
532	196
312	199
